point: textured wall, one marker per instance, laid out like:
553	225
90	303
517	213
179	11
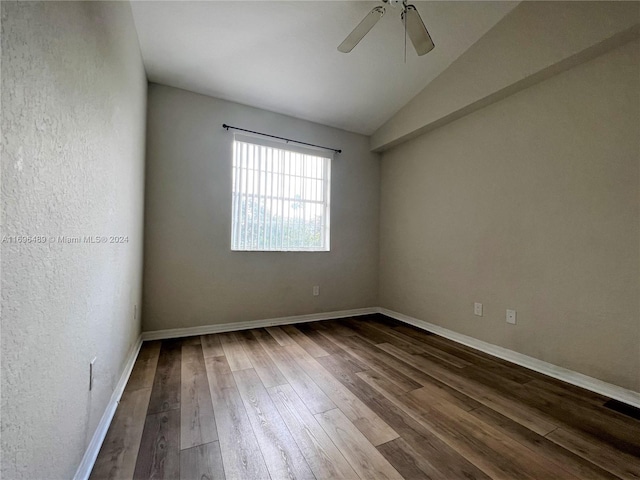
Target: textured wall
531	203
191	276
73	120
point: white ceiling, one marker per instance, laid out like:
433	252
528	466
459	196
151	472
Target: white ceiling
282	55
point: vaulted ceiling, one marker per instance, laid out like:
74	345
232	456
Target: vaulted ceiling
281	55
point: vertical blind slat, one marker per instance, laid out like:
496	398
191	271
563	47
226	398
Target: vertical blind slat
279	199
245	160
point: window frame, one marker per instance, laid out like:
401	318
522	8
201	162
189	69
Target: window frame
327	158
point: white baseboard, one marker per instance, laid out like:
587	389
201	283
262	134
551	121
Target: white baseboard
589	383
269	322
90	455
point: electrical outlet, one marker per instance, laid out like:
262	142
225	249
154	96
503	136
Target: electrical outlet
511	317
316	290
91	372
477	309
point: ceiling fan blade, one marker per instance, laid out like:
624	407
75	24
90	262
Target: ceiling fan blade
361	30
417	31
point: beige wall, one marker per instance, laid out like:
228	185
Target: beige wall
535	41
73	119
191	276
531	203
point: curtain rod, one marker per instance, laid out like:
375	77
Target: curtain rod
227	127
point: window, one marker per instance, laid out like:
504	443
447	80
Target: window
280	196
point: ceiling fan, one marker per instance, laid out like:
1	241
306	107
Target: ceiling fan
413	27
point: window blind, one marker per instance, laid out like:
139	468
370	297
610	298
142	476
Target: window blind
280	196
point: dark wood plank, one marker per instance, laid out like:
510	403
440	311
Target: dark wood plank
485	446
602	454
397	338
312	396
211	346
569	392
144	370
239	448
444	458
435	389
373	332
523	375
304	341
261	361
475	357
197	423
595	420
360	327
412	369
332	348
323	457
411	345
219	377
363	457
388	322
284	459
522	414
606	425
165	394
382	384
625	409
313	333
337	328
364	353
236	356
315	326
203	462
159	454
561	457
119	451
370	424
350	362
280	336
407	461
238	445
432	393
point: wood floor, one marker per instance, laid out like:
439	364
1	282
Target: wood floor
356	398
